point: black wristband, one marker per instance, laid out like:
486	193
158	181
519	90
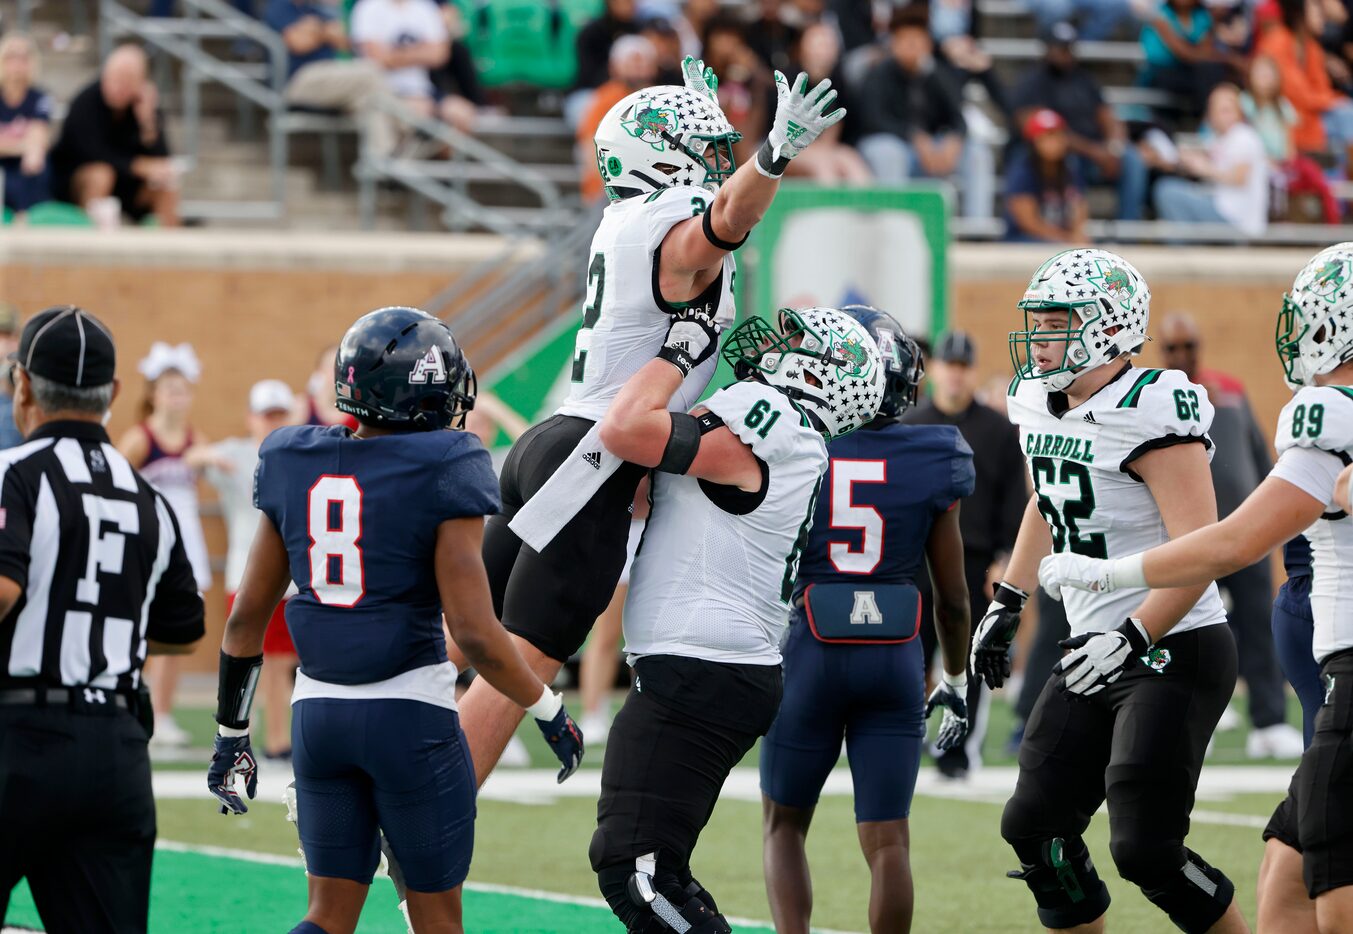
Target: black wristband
1132	629
682	444
678	358
707	226
1009	596
238	679
768	164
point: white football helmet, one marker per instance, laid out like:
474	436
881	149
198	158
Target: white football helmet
664	136
1099	290
1315	326
822	358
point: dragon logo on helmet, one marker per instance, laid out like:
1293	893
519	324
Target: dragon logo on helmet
1115	282
1330	279
852	359
651	124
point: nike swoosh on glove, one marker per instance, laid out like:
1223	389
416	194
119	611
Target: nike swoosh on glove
566	742
1056	572
232	758
1098	659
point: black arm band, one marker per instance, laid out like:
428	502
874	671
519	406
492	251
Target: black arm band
708	226
682	445
235	689
1009	596
767	164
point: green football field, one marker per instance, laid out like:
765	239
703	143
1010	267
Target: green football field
530	871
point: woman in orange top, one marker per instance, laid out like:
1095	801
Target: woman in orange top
1324	116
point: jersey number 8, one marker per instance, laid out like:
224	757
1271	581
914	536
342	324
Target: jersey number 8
335	526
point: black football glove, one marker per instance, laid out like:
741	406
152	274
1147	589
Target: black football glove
1097	659
231	758
566	742
990	658
692	338
954	725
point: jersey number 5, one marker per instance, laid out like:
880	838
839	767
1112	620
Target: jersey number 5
846	515
335	525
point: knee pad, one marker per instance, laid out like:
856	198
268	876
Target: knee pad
1195	895
653	901
1063	880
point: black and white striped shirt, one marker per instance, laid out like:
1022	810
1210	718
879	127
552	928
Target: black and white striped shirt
97	553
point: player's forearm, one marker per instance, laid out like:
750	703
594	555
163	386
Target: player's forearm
953	625
245	628
1162	609
489	648
1033	543
742	202
637	426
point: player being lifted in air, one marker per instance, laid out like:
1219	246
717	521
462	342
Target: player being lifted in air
380	529
854	669
1119	459
1306	880
660	269
733	495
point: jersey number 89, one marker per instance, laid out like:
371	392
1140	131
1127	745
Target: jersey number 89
335	526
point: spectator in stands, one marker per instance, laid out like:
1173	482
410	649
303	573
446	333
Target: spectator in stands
594	54
855	21
746	87
1227	182
318	79
317	406
771	35
690	23
112	144
1274	118
1044	192
1097	18
831	159
911	118
634	65
9	342
459	93
407	39
1180	53
1099	141
25	126
667	44
1324	116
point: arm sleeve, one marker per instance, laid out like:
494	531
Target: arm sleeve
17	502
176	611
466	483
1310	470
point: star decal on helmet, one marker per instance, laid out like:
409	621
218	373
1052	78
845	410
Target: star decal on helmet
649	123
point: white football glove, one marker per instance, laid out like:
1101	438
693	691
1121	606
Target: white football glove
1098	659
1076	571
699	78
800	117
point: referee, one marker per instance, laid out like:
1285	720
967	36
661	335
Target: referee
92	577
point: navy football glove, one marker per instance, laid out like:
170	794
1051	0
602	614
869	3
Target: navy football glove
566	742
232	758
954	725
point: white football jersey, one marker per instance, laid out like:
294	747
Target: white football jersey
1320	419
625	318
1081	463
711	579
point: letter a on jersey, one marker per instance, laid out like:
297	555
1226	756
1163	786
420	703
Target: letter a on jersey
865	612
430	368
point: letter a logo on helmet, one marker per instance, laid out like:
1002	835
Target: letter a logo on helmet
430	368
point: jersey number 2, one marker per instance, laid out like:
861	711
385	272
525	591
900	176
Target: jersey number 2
1065	529
596	285
335	514
846	515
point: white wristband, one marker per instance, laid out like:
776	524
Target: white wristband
1128	572
231	731
548	706
958	682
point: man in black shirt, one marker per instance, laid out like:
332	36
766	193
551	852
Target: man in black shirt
990	517
593	50
113	145
1099	140
93	576
911	118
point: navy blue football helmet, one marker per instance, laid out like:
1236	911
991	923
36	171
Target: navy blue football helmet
901	358
403	369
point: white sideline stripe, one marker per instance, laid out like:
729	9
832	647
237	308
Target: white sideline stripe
292	862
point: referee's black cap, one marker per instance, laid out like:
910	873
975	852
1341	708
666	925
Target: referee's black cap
955	347
67	345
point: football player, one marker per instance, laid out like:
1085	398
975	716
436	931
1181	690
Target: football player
709	594
1119	459
380	529
1306	880
661	268
854	668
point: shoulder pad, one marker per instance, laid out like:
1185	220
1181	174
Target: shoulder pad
1166	404
664	209
765	420
1317	417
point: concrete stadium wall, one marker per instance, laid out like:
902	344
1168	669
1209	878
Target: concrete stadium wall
263	304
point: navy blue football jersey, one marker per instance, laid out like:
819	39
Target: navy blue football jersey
882	491
359	518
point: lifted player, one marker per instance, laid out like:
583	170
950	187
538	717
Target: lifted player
1119	458
1306	880
709	593
660	268
380	529
853	665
